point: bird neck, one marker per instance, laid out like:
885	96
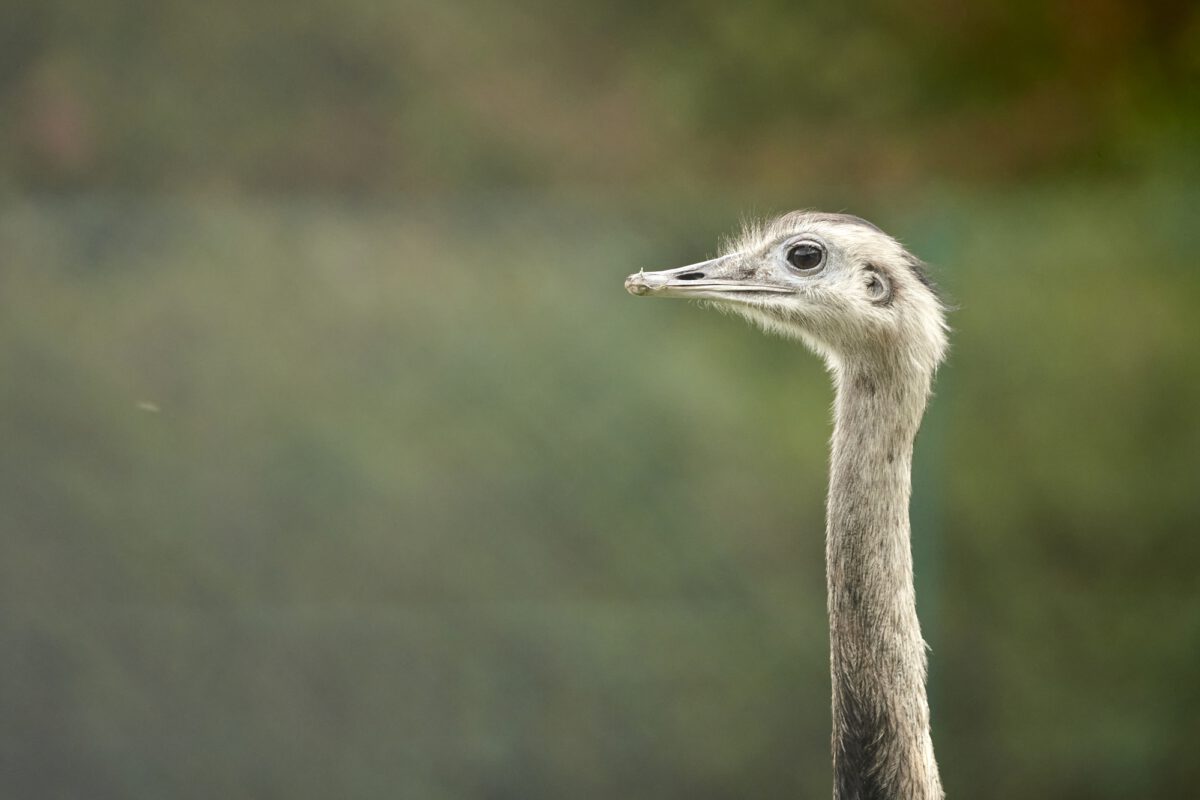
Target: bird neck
881	741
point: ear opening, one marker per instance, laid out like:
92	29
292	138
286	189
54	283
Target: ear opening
878	284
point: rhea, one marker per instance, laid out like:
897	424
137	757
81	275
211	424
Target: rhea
862	302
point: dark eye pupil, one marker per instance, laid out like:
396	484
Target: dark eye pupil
804	256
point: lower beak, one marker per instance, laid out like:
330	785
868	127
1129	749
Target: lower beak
717	278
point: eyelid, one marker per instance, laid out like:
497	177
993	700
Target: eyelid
792	244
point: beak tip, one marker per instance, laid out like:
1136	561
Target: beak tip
636	285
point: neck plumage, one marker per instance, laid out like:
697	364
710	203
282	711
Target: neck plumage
881	744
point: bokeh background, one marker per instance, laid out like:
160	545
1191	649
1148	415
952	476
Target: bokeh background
337	463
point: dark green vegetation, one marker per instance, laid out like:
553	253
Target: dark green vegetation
358	96
337	463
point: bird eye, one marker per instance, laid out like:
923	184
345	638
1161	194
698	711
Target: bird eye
805	256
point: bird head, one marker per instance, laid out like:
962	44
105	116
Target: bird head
837	282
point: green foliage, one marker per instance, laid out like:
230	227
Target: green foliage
365	97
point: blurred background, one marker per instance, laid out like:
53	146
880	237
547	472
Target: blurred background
336	462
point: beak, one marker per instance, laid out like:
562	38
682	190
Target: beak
717	278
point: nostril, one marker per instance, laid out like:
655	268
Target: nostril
691	276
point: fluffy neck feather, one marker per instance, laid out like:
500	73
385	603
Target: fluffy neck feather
881	741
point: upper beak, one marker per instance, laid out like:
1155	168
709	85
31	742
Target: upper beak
715	278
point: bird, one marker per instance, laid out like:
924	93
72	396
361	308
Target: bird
867	306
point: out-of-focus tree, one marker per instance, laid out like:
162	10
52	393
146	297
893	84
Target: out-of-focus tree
366	97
